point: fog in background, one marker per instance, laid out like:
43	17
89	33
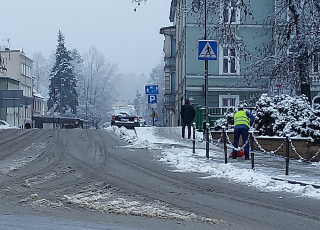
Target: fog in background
127	38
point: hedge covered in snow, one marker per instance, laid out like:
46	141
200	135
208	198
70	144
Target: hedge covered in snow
280	116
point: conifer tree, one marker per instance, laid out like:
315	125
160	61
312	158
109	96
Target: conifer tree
62	89
138	102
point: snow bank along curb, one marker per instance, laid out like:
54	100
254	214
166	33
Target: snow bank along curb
238	171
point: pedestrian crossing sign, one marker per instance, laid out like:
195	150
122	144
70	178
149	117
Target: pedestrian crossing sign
207	50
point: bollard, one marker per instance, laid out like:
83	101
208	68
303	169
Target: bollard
252	160
194	137
287	155
225	145
251	141
207	140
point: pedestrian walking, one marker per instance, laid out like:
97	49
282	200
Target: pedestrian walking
187	115
242	123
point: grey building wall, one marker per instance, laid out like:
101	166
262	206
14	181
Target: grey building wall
19	68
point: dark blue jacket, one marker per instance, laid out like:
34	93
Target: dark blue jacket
187	113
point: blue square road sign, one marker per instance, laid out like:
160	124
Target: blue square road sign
152	99
207	50
152	89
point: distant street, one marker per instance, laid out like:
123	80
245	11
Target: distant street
87	179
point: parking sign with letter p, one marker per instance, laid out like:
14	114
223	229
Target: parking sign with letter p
152	99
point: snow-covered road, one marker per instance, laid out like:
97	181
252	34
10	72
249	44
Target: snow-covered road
148	180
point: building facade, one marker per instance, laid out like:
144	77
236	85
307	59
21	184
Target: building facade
17	76
240	33
185	73
39	104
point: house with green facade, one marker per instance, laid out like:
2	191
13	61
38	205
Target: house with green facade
243	35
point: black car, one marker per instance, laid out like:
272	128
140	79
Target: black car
125	116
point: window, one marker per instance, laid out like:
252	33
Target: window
292	61
25	70
231	12
315	63
173	83
228	100
315	68
229	61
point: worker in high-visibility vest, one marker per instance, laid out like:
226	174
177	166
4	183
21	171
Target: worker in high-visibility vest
243	120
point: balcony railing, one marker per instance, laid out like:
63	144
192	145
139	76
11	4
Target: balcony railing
214	113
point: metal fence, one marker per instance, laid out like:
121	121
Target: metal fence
214	113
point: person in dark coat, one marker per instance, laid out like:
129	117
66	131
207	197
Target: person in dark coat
188	113
243	120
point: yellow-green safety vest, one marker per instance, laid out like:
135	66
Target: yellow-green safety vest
241	118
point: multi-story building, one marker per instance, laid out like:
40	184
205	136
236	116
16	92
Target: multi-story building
236	34
185	73
170	74
17	76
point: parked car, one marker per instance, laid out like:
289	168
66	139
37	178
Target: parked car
125	116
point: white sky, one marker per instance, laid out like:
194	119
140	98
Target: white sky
127	38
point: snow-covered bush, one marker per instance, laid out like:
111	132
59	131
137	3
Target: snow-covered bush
227	120
285	115
280	116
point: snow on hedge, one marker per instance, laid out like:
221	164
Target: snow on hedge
280	116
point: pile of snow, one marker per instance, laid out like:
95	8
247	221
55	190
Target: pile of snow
102	198
260	178
5	125
129	136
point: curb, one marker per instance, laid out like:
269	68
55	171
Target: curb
296	182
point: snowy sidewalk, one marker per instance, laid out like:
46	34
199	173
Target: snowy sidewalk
299	172
268	174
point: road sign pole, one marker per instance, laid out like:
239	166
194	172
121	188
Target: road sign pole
207	50
206	67
206	120
152	111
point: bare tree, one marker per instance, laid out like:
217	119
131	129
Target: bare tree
138	2
295	60
292	55
97	87
41	71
